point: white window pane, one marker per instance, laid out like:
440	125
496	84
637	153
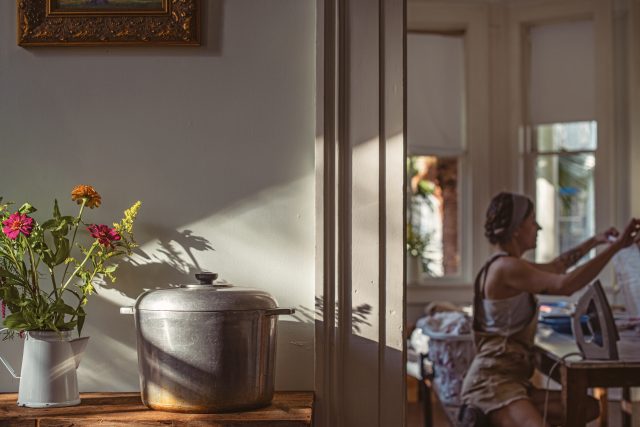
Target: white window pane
565	202
433	223
578	136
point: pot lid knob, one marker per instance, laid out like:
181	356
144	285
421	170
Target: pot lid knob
206	277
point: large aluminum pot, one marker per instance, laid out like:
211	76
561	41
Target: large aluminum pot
206	347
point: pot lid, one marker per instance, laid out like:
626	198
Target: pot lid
205	296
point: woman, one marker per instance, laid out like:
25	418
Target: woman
505	312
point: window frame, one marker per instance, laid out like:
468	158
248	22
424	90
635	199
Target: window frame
532	154
472	20
522	18
459	276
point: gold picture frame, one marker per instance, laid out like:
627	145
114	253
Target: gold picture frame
108	22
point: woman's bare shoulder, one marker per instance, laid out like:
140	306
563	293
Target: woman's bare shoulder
514	275
508	262
502	277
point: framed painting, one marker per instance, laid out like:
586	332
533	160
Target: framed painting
108	22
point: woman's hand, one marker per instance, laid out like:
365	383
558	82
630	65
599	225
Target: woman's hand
607	236
630	234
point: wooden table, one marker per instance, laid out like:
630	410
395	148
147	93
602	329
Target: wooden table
576	375
288	409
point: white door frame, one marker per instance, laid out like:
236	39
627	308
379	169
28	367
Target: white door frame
360	182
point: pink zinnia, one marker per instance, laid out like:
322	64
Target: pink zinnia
104	234
17	223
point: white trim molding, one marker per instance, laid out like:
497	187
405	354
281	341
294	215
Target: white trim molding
634	107
360	176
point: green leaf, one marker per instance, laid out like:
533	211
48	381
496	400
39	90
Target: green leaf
69	325
56	209
61	229
10	275
27	209
77	295
63	247
39	246
48	258
11	297
51	223
16	321
81	318
60	307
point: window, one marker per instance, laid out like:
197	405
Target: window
433	214
448	118
435	123
564	159
564	133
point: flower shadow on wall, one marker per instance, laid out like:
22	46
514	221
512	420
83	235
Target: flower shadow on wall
359	314
172	264
169	260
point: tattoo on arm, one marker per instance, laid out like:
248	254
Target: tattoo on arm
570	257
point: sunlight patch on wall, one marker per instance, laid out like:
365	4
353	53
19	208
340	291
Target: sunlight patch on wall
263	242
365	235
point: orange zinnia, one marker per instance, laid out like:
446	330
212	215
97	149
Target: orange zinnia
88	193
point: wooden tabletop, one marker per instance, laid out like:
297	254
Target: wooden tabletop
576	375
555	345
288	409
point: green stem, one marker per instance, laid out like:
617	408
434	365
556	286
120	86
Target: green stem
84	261
34	275
22	270
73	238
53	282
15	260
93	275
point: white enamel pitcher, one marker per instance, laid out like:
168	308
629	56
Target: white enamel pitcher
49	362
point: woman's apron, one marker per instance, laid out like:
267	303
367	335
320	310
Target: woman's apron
503	365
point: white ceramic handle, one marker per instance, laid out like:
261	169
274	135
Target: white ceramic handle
126	310
5	363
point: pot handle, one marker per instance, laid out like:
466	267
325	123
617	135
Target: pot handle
279	311
126	310
6	364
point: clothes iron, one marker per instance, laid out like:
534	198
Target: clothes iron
602	341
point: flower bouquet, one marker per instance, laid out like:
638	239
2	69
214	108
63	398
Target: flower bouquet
48	269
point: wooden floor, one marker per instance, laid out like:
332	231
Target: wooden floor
415	411
414	408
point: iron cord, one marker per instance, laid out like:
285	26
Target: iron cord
546	395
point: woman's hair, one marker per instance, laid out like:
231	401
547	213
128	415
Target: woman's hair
502	219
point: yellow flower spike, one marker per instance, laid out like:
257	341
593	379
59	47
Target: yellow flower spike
88	193
129	216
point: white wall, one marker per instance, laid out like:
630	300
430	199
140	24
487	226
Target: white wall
217	141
